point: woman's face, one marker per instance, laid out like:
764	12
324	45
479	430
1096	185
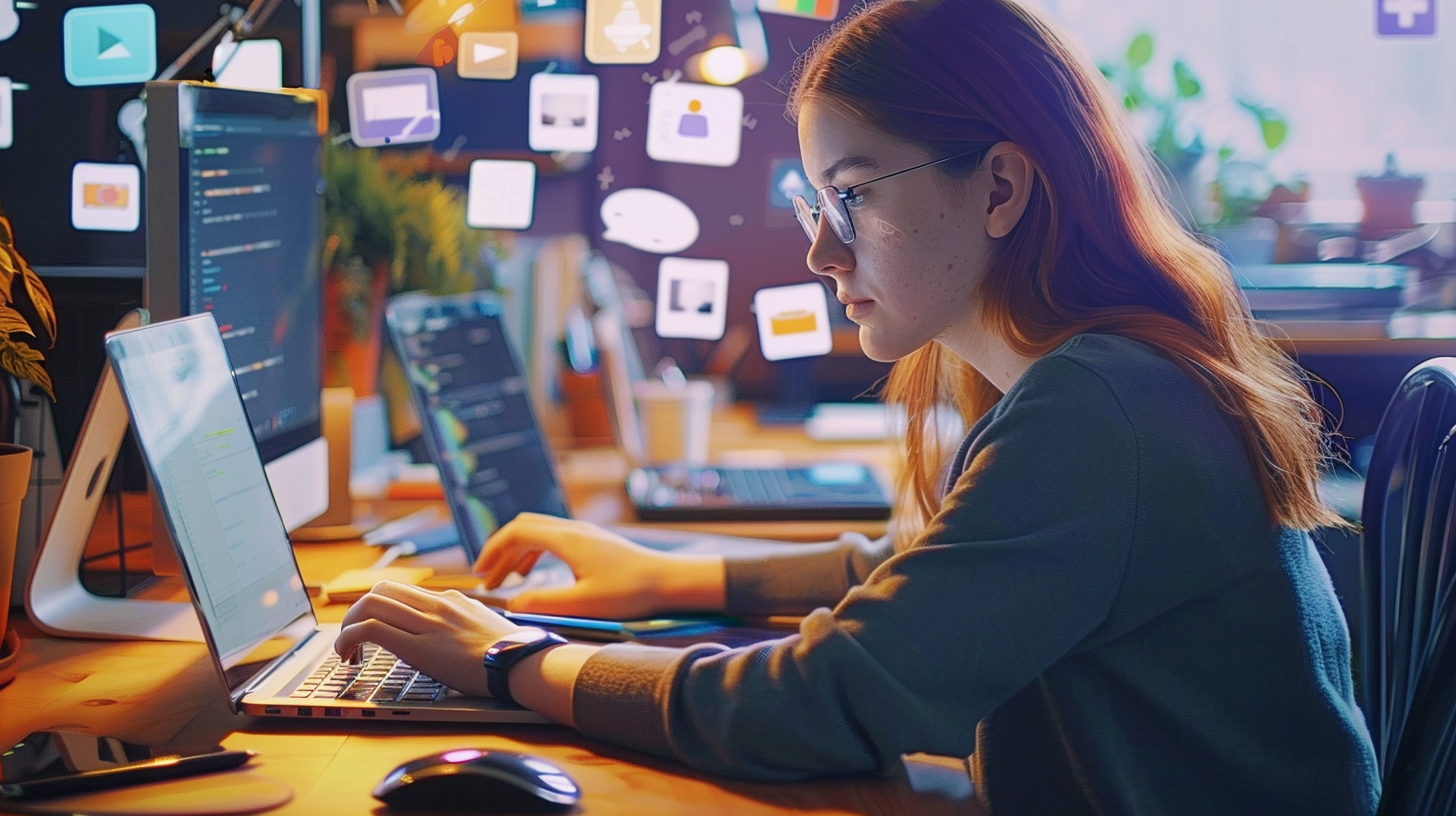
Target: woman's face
920	249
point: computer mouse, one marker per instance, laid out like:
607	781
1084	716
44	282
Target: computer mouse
478	780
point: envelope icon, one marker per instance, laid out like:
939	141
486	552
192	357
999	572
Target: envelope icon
796	321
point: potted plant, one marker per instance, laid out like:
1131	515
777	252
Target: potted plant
27	331
391	227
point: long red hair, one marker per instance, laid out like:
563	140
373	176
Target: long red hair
1097	249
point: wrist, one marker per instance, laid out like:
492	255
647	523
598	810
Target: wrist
695	583
544	682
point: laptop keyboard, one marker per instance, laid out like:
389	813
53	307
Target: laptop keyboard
755	486
379	678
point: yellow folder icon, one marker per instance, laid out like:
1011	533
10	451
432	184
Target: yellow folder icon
796	321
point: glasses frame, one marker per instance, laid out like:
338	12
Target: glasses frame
836	202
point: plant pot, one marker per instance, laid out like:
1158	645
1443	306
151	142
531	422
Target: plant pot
14	481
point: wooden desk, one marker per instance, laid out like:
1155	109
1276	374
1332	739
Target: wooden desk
168	693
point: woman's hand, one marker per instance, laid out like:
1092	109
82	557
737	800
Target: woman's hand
443	634
615	578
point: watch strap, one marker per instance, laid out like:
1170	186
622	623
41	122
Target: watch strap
509	651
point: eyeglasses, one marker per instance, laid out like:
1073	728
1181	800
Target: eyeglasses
834	202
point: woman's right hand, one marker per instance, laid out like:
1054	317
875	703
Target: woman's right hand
615	578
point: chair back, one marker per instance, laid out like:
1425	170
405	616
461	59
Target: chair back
1408	569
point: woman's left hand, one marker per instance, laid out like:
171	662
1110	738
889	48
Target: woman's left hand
443	634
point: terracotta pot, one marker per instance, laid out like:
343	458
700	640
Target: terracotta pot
14	481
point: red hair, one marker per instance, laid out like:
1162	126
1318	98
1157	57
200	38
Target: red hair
1096	250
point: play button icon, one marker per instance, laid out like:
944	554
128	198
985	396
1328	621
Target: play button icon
110	45
487	55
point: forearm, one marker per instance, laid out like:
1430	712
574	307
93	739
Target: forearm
543	682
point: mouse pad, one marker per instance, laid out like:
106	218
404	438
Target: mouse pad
240	791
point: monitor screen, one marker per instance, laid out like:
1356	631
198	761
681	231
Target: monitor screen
234	216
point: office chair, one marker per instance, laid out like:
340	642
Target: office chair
1408	568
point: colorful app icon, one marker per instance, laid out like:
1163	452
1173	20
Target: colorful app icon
649	220
692	298
786	179
9	19
694	124
502	194
1405	18
110	45
563	112
623	31
254	64
7	115
441	48
793	321
816	9
393	107
106	197
488	55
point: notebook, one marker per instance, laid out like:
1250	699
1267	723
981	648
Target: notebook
272	655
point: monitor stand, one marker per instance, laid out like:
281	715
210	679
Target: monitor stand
55	599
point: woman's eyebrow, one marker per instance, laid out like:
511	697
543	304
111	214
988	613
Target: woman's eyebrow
848	163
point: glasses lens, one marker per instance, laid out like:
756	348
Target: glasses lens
805	213
833	208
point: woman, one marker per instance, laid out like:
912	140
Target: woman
1107	594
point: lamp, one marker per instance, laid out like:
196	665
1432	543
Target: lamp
429	16
732	58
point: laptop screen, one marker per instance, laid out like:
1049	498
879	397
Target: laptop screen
199	447
476	410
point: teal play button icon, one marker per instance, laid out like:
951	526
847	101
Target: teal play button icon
110	45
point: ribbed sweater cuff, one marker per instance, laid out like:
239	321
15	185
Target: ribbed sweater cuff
622	693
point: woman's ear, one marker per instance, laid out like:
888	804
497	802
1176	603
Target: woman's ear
1011	176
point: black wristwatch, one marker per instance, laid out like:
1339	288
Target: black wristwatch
510	650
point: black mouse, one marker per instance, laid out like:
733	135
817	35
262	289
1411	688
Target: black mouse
477	780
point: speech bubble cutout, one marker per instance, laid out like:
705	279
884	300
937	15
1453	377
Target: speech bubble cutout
649	220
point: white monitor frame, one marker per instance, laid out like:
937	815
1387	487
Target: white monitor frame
55	599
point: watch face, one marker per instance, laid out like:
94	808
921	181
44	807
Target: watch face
526	635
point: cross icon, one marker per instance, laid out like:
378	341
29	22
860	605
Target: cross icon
1405	11
605	178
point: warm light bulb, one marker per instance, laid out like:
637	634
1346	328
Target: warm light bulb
723	65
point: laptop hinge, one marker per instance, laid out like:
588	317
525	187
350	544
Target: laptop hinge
267	672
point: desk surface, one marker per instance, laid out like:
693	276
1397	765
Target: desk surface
168	693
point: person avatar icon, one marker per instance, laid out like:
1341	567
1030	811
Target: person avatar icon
693	124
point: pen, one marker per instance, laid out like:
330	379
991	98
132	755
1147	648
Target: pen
147	770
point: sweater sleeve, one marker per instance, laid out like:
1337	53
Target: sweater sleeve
1023	561
793	582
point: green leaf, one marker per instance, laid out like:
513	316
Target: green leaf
1187	84
1140	50
1275	131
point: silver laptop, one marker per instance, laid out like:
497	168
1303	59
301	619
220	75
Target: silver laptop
272	654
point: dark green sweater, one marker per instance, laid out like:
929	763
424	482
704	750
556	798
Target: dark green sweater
1101	612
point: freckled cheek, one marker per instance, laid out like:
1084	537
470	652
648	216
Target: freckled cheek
891	236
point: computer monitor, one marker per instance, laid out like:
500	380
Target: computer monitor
234	218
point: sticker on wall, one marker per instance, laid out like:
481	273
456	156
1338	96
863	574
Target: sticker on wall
814	9
256	64
692	298
620	32
692	123
393	107
563	112
106	197
502	194
7	127
786	179
488	55
110	45
649	220
793	321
